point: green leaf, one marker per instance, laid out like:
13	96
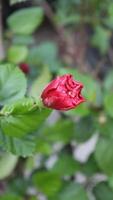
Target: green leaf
65	165
26	20
108	103
108	82
17	54
12	83
82	129
7	164
103	192
104	155
61	131
73	191
47	182
10	196
40	83
20	147
45	54
90	167
82	110
101	39
43	147
22	117
106	128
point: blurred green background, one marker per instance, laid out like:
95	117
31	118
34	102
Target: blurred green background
70	157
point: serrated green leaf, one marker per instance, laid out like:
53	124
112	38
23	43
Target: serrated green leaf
22	117
17	54
26	20
12	83
20	147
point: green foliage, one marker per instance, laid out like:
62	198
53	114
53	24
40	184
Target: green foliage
102	191
12	84
72	191
77	34
18	21
104	155
21	118
7	164
101	39
17	54
66	165
47	182
46	54
40	83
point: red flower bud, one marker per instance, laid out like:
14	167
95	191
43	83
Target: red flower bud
25	68
63	93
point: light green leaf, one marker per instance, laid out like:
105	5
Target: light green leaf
10	196
8	162
40	83
26	20
104	155
47	182
22	117
17	54
12	83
